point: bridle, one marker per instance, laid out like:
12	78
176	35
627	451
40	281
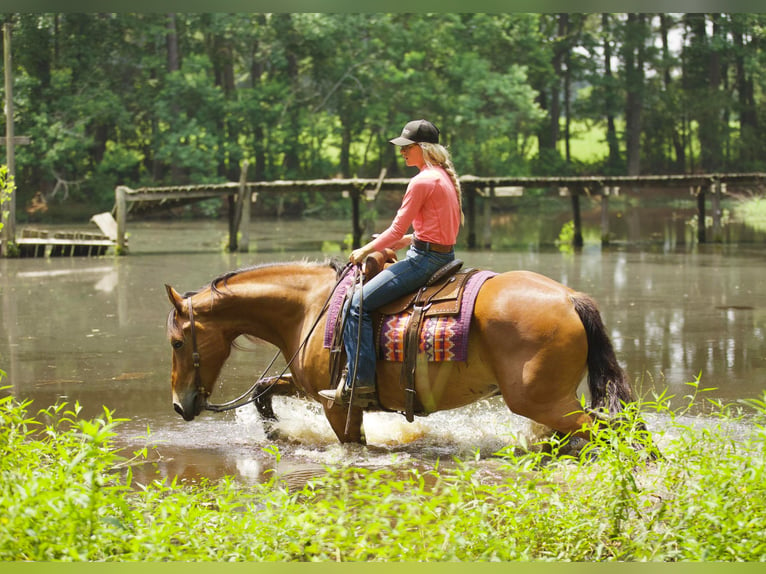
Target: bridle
195	353
250	396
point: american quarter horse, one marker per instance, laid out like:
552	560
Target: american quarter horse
531	340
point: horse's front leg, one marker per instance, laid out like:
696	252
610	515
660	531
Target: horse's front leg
263	394
339	415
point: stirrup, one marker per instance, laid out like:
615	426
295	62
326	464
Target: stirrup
363	397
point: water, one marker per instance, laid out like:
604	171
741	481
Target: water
93	331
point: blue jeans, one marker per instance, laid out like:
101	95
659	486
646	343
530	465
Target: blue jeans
402	277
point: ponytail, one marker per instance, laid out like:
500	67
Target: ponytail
437	154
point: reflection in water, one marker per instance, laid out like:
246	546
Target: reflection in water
93	331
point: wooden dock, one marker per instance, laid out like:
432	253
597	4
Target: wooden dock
479	193
44	243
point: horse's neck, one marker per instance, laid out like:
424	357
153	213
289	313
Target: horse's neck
272	303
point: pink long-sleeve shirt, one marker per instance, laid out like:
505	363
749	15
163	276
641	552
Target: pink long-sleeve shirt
431	206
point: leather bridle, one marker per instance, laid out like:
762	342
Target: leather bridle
195	352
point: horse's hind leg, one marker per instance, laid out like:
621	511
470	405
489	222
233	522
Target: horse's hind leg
565	419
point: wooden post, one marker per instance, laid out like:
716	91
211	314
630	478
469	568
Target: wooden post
246	197
370	211
716	207
701	214
605	191
355	219
121	208
487	204
577	241
9	211
231	201
470	216
236	209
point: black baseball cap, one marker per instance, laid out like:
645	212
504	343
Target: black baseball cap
417	131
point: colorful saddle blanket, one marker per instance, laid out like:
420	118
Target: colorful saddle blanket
443	337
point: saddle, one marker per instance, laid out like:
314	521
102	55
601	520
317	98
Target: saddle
441	295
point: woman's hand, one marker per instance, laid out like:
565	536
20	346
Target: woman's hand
403	242
360	254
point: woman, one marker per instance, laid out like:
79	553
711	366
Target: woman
432	204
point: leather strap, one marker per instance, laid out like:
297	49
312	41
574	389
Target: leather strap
426	246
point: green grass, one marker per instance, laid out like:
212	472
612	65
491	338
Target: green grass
65	495
753	212
587	143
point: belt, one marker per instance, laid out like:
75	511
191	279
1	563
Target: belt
426	246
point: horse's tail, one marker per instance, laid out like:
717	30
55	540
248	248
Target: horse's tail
608	385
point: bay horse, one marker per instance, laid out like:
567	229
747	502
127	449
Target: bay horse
531	340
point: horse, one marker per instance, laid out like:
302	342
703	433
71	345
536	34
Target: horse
531	340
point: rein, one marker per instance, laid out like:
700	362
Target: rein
243	399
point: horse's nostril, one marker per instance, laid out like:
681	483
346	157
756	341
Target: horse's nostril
178	409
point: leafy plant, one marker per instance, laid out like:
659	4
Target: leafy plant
7	187
67	495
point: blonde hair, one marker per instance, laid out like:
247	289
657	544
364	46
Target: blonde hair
437	154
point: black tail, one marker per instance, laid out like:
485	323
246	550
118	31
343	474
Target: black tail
609	388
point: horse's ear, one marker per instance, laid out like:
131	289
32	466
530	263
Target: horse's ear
175	298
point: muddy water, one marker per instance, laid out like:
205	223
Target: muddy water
93	331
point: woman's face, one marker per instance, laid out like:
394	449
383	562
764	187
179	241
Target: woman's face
413	155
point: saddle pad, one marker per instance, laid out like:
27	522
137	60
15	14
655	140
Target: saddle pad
442	338
334	308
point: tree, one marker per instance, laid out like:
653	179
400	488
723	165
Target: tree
633	57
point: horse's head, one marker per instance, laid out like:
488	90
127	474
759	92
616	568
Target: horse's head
199	351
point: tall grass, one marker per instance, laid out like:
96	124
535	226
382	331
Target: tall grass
65	496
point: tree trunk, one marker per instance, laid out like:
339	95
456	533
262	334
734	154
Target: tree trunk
677	142
292	124
554	110
613	159
174	65
634	77
256	71
564	31
171	39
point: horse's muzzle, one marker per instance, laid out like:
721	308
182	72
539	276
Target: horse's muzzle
180	410
190	406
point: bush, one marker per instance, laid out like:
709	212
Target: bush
67	495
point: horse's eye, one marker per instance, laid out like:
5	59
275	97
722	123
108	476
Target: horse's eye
178	344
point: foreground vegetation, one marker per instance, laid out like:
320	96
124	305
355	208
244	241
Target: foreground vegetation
65	495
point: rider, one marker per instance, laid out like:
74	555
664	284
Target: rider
432	204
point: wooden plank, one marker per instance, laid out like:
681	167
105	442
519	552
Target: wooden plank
509	191
165	195
62	241
17	140
107	224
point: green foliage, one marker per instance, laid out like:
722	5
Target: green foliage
7	187
565	240
58	497
66	495
753	212
313	95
